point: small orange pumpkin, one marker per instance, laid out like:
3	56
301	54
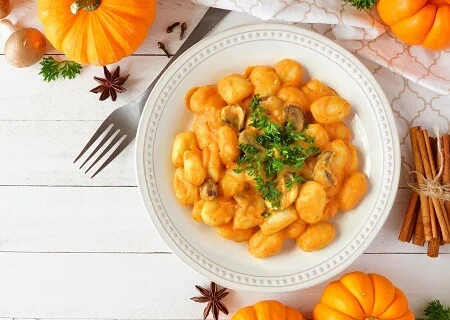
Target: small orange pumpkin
98	32
418	22
360	296
268	309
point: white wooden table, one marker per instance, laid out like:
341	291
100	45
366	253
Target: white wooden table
76	248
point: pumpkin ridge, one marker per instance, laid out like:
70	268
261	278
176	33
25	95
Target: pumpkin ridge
436	38
355	277
73	43
116	22
415	29
111	47
389	10
116	10
348	295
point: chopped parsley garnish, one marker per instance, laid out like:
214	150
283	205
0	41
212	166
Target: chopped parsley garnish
293	180
277	149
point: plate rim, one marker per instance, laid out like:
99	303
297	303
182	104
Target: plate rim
390	198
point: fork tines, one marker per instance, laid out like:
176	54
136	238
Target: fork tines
113	139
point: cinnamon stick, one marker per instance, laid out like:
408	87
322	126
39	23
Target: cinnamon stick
441	165
427	155
424	207
446	174
425	152
433	247
419	233
430	151
409	222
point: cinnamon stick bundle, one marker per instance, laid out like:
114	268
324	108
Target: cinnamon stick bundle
427	218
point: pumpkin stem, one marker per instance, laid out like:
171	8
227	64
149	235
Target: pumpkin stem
88	5
371	318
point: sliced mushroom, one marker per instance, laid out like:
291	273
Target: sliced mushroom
295	115
322	170
248	136
23	47
5	8
209	190
234	116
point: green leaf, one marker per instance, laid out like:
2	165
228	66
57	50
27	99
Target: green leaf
295	179
52	69
436	311
362	4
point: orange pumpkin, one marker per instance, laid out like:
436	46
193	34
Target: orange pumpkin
98	32
360	296
265	310
418	22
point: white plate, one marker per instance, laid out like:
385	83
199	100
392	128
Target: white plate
375	137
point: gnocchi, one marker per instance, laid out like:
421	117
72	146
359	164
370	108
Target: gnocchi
242	220
183	142
205	98
266	81
331	109
320	135
262	246
295	229
311	202
203	131
193	167
315	89
316	236
278	220
228	145
234	88
228	232
269	159
186	193
197	211
354	162
231	183
217	212
353	190
293	96
212	161
338	131
290	72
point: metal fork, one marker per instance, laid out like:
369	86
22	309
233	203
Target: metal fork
121	125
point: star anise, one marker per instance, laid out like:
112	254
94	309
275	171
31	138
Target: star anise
110	85
212	297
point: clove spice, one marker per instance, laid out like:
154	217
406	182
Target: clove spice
163	48
183	29
172	26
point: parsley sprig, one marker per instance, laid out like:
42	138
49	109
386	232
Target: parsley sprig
52	69
436	311
362	4
277	149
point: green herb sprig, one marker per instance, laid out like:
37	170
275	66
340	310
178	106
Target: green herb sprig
52	69
362	4
276	150
436	311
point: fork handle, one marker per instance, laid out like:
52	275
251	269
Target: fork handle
209	20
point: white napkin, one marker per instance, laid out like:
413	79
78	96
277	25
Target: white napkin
361	32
